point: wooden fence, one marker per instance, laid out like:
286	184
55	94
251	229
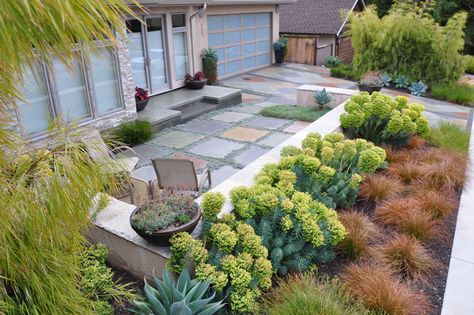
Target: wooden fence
304	49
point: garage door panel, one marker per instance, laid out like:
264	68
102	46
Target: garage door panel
242	42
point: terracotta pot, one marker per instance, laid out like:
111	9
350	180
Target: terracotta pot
141	104
369	88
196	84
162	237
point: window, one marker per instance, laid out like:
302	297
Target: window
87	91
180	34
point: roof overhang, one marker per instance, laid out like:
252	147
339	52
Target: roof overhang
209	2
349	13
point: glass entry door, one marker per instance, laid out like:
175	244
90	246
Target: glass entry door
148	57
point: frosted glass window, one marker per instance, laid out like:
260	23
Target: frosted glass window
216	39
248	35
233	66
263	59
263	33
232	52
263	46
248	49
249	62
136	53
156	54
220	53
232	21
36	112
104	78
263	19
215	23
220	69
180	55
232	37
71	90
248	20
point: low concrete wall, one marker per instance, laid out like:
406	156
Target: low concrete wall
304	95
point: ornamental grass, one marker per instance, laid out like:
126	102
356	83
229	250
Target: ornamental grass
360	231
379	187
439	205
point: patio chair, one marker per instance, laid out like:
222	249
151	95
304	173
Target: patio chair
180	174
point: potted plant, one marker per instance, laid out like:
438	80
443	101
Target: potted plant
370	82
169	213
280	47
141	98
209	64
196	82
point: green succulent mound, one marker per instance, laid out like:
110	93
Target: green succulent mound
383	120
184	296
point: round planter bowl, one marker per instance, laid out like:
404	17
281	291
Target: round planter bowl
141	104
196	84
162	237
368	88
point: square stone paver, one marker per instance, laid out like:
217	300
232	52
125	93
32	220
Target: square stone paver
250	155
216	148
198	163
244	134
206	126
246	97
221	174
147	152
296	126
231	116
267	122
274	139
251	109
177	139
266	104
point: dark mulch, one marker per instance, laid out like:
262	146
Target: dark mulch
136	285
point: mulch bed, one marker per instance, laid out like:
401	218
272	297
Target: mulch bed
122	277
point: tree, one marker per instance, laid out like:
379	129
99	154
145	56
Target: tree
46	194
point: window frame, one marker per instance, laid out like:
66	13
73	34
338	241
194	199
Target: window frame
181	29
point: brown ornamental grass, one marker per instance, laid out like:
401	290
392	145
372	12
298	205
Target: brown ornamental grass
382	291
407	171
378	187
438	204
406	256
360	231
444	175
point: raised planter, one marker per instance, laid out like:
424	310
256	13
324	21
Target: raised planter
196	84
162	237
369	88
141	104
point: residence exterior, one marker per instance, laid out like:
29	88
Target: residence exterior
161	47
316	29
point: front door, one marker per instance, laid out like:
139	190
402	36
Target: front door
148	56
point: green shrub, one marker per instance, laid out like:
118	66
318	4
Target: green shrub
333	61
449	136
234	261
410	43
346	71
96	280
456	93
303	113
469	64
302	294
383	120
133	132
184	296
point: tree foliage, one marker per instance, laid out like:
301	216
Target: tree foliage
409	42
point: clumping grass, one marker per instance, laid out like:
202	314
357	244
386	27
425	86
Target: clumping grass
382	292
416	142
304	113
405	213
302	294
451	137
439	205
378	187
360	231
456	93
407	256
133	132
345	71
445	175
397	156
408	171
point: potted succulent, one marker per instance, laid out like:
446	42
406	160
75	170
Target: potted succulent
196	82
141	98
169	213
370	82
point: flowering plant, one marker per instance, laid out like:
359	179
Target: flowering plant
200	76
141	94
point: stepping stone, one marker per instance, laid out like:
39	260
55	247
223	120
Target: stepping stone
221	174
177	139
216	148
244	134
147	152
249	109
296	126
250	155
198	163
274	139
267	122
246	97
265	104
206	126
231	116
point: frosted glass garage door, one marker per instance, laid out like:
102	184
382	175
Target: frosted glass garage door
242	41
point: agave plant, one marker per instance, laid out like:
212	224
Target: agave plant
402	82
184	297
418	88
322	97
386	79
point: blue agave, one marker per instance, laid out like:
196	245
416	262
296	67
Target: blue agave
418	88
402	82
322	97
386	79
